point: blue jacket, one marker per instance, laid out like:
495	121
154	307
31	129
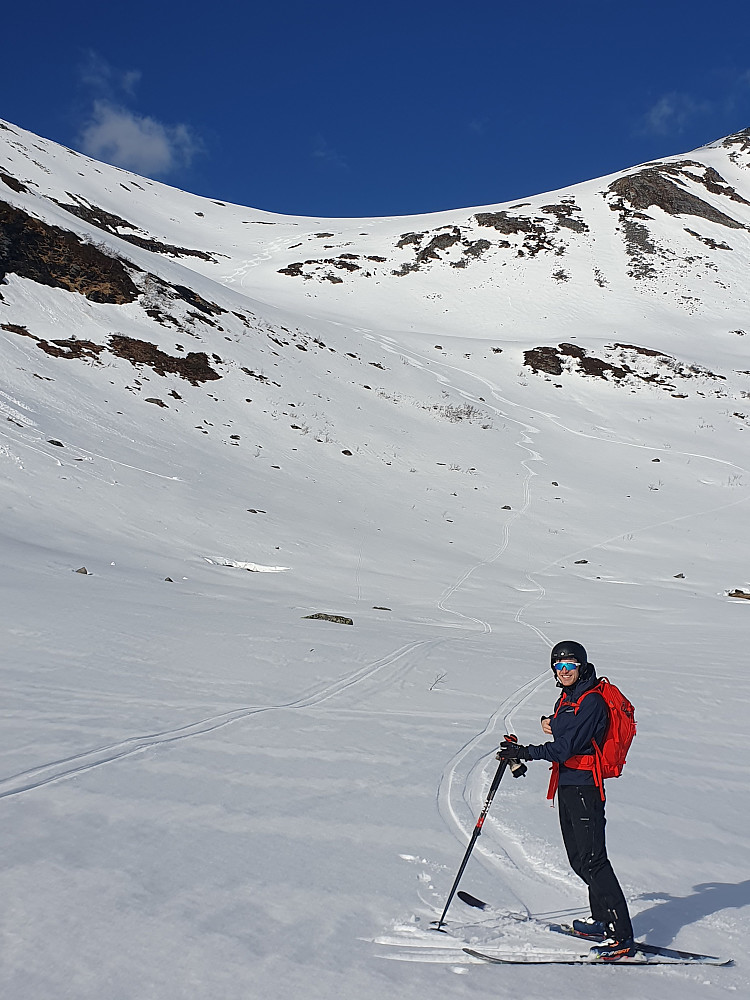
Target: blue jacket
572	732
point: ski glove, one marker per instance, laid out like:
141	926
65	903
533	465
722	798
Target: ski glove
509	750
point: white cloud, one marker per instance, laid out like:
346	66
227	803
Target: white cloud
136	142
672	112
130	80
118	135
105	80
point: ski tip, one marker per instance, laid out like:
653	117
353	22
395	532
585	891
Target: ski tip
466	897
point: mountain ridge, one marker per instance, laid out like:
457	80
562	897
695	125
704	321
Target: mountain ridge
214	782
558	245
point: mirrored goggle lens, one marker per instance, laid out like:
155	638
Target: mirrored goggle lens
567	665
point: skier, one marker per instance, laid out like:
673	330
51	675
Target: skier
580	802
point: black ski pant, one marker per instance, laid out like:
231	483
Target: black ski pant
582	823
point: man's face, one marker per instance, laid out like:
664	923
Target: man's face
568	672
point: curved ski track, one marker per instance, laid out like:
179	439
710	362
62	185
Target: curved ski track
76	764
463	783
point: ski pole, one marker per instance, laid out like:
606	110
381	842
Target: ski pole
519	770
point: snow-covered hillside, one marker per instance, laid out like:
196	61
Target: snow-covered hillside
472	434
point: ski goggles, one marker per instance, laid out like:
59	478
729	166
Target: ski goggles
568	665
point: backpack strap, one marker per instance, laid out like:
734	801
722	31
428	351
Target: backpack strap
581	761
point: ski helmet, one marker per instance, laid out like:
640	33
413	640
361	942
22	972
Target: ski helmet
569	650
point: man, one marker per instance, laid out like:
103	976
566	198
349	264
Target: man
573	726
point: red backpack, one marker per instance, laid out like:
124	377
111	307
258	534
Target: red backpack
609	760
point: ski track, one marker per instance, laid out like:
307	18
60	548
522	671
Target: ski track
85	454
463	783
77	764
241	272
464	773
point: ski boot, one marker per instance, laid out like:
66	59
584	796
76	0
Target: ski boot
613	950
596	930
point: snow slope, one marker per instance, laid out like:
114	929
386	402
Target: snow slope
473	434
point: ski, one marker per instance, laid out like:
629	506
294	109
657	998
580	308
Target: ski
479	904
531	958
466	897
651	949
673	955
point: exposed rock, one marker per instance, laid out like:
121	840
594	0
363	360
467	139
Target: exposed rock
543	359
564	213
709	241
508	224
664	185
69	348
165	248
293	270
112	224
410	239
98	217
593	366
443	241
714	182
476	248
13	183
344	261
552	361
738	143
647	351
337	619
197	301
51	256
194	367
639	247
535	233
652	186
22	331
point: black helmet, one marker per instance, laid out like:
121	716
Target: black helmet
569	650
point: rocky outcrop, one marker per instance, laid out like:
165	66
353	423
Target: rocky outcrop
51	256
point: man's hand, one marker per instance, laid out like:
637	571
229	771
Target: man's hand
546	725
510	750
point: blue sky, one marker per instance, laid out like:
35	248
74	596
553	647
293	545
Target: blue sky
392	108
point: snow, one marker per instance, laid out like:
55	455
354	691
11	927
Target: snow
207	793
